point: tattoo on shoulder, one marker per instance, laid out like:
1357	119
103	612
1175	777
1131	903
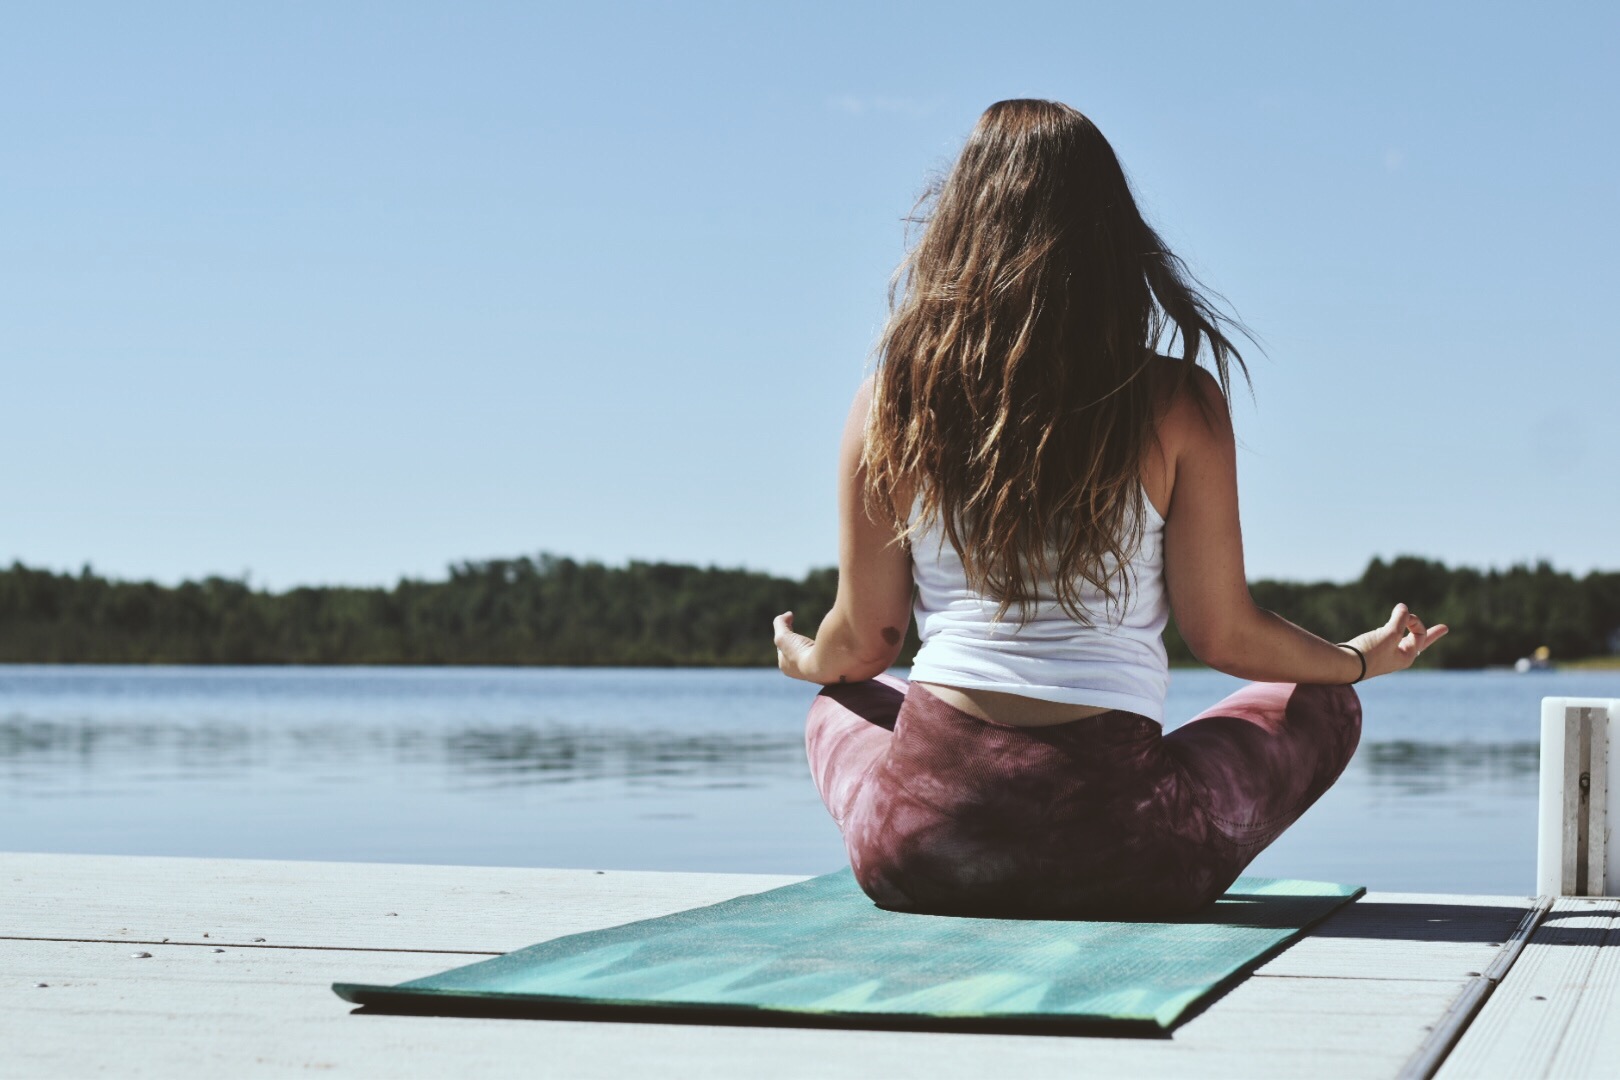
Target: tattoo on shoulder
891	635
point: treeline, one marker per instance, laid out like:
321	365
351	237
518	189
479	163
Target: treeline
1496	616
556	611
551	611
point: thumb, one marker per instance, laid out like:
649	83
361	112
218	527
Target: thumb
1397	620
783	627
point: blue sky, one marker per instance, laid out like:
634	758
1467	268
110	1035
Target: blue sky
336	292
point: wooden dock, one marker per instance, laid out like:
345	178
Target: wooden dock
200	967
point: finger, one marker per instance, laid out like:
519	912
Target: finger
1409	647
1435	634
1395	629
782	626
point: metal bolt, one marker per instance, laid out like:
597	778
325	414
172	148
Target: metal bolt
140	955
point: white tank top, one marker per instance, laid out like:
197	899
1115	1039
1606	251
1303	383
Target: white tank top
1118	662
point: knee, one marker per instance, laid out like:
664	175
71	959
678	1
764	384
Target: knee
1345	704
1338	698
1337	707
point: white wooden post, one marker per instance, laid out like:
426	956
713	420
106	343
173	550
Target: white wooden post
1576	853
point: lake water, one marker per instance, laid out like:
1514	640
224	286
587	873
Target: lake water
654	769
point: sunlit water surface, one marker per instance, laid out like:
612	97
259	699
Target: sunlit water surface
654	769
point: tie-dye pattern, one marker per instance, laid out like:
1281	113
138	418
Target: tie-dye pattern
1103	816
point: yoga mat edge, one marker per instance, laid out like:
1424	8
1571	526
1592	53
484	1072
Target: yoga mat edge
783	955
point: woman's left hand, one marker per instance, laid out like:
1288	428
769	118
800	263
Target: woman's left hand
793	651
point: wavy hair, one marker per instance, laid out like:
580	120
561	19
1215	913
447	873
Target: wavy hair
1015	392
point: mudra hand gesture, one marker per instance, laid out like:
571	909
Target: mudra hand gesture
1395	645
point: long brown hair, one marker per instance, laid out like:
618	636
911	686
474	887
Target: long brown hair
1015	393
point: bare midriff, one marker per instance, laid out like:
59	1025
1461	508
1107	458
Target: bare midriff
1011	710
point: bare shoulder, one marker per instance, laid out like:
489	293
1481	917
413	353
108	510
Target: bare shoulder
852	445
861	406
1192	409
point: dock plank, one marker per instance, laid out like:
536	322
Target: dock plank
1525	1028
1592	1047
188	1011
497	909
336	905
1354	999
1409	935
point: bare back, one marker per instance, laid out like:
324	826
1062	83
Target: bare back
1158	481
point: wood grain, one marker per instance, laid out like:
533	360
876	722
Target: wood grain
1527	1027
1355	999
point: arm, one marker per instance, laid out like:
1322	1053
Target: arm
862	634
1204	575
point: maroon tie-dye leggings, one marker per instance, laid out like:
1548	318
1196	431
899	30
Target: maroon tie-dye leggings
1105	816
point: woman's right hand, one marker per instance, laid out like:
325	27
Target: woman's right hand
1396	644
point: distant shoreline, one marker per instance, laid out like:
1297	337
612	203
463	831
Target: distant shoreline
551	611
1590	663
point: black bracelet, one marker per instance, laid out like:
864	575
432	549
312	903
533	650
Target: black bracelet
1359	656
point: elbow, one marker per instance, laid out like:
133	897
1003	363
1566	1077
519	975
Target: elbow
1219	632
865	673
859	656
857	669
877	660
1211	650
1216	644
1202	638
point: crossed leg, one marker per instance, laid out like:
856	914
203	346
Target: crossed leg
1257	760
847	733
1248	767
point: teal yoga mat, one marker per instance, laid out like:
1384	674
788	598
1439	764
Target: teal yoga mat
820	953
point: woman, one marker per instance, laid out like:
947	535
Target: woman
1051	488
